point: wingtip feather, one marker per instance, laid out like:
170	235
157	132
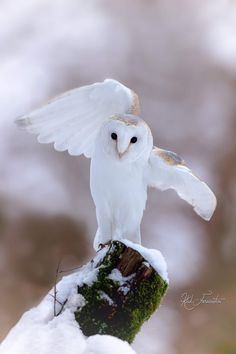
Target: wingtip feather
207	214
22	122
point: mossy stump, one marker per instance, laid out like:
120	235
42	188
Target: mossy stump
126	293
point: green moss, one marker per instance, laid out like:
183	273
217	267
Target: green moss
126	315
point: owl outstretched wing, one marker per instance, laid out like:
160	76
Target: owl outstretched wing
167	170
72	120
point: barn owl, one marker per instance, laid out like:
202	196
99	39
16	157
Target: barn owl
102	122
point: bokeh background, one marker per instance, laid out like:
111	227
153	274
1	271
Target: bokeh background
180	57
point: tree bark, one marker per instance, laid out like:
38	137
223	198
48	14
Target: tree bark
125	294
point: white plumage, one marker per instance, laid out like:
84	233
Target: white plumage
101	121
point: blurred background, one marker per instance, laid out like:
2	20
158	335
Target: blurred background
180	57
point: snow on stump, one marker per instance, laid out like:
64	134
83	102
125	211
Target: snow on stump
129	286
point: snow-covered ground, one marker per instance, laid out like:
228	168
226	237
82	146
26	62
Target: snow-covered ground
51	328
38	331
41	331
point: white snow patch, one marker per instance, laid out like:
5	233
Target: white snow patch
124	289
146	264
116	275
106	297
75	300
39	331
107	345
67	287
152	256
36	333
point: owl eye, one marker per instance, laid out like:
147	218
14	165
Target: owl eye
114	136
133	140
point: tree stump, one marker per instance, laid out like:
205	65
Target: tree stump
126	292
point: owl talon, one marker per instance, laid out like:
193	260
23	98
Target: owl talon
102	245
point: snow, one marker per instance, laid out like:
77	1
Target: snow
152	256
37	333
104	296
67	287
107	345
146	264
40	331
124	289
117	276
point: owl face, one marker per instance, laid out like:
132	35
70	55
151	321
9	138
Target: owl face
126	138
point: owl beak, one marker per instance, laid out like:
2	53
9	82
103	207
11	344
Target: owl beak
121	154
121	149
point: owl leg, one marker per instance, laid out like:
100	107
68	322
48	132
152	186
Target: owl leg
135	236
100	240
104	231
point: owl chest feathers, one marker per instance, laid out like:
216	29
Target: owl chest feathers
119	187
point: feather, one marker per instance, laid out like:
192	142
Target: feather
72	120
168	171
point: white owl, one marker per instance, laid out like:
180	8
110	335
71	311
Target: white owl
102	122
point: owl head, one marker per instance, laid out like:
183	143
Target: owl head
125	138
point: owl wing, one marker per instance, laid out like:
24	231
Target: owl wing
166	170
72	120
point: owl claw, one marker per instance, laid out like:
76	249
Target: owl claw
102	245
